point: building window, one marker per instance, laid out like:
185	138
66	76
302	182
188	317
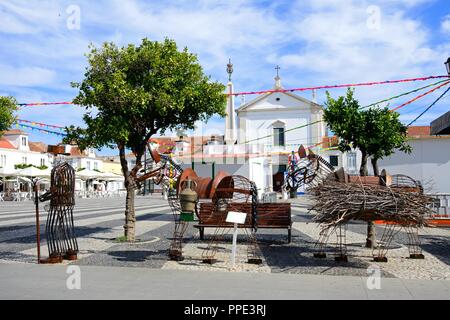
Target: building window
334	161
88	165
95	166
42	162
278	137
24	160
351	161
2	160
24	141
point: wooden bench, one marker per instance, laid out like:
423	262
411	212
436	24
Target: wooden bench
269	216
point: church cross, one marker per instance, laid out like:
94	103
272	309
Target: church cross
278	70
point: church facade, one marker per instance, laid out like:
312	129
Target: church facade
261	135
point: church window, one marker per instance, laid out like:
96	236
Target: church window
334	161
278	137
351	161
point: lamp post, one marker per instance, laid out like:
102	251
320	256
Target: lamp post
447	65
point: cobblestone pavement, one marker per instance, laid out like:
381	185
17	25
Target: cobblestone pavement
99	222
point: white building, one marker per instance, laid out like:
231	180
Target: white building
86	159
16	149
268	129
429	161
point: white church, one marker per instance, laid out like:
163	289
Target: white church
260	136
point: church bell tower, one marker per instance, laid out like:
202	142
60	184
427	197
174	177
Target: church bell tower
230	121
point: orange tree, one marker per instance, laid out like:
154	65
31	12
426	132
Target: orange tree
376	132
8	106
134	92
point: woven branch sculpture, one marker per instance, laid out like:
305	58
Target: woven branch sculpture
337	202
339	198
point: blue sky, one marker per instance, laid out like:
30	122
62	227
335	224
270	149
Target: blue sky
316	42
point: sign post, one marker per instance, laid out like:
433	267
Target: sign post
235	218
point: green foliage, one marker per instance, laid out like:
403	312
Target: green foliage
346	120
24	166
133	92
385	133
376	132
8	107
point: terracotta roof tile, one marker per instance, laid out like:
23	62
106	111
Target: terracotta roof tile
414	131
75	151
37	146
5	144
14	132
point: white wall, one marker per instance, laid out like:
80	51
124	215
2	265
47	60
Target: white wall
13	157
429	162
257	119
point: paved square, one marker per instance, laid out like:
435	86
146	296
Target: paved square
99	221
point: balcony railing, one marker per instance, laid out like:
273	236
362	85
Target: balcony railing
441	205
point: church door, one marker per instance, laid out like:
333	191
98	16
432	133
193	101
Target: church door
278	178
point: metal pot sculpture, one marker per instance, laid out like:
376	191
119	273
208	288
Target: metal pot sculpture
188	200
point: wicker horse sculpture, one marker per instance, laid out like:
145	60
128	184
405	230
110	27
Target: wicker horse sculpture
171	177
339	198
60	232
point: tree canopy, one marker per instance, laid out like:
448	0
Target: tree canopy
376	132
133	92
8	107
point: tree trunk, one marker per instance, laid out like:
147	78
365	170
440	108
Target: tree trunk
376	170
371	240
363	168
130	215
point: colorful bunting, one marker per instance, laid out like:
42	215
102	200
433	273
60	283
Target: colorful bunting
278	90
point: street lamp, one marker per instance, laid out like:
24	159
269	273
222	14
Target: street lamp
447	65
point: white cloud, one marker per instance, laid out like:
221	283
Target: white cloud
25	76
445	24
23	17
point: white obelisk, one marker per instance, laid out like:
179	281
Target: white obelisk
230	121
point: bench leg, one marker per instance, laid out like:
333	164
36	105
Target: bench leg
289	235
202	233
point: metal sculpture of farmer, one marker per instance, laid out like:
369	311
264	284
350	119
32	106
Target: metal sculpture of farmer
60	233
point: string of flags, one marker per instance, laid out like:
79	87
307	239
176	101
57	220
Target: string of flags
370	105
420	96
40	124
34	125
348	85
45	131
